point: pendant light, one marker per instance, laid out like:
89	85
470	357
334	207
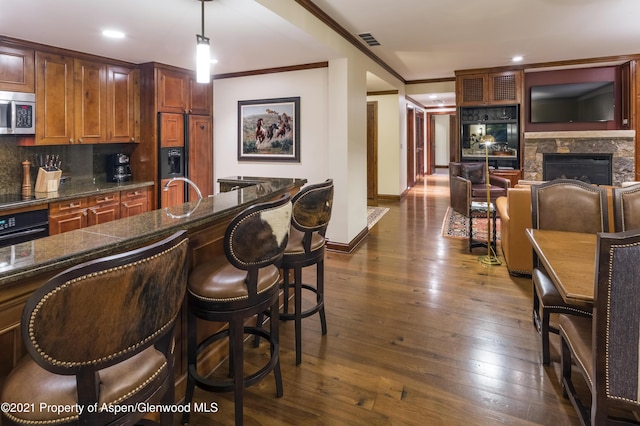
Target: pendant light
203	58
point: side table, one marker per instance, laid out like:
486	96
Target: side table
478	210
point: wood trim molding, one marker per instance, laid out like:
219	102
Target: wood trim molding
567	63
272	70
348	248
331	23
382	93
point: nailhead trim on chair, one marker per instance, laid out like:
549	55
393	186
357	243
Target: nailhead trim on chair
69	418
228	299
54	361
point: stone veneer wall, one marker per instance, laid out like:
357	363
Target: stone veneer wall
620	143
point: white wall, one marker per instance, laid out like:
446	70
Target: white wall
312	88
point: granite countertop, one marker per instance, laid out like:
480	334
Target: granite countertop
61	251
71	190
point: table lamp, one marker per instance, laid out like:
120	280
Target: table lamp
491	258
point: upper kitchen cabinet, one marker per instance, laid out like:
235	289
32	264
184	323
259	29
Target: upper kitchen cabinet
179	92
200	98
81	101
495	88
123	104
17	69
90	101
54	99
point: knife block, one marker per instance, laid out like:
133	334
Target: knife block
48	181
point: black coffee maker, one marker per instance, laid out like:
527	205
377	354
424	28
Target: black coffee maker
118	168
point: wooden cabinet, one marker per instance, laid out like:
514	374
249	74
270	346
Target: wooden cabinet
174	194
133	202
17	69
84	102
179	92
54	99
513	175
200	154
123	104
103	208
90	101
68	215
96	209
200	98
489	88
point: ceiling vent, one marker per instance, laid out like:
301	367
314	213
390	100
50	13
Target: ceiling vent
369	39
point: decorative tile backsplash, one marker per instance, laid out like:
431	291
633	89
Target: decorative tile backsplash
79	162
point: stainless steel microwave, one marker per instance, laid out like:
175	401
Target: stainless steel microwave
17	113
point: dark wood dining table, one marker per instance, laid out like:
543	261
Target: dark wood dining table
569	258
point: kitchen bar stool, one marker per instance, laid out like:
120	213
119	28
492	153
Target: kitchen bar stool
309	221
233	287
101	334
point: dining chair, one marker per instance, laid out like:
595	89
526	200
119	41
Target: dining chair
232	288
626	207
562	205
604	349
99	338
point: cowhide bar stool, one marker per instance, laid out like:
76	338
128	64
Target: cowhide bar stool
236	286
309	221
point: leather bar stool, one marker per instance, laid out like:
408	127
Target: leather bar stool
236	286
101	334
309	221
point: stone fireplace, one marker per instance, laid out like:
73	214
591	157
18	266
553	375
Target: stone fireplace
619	145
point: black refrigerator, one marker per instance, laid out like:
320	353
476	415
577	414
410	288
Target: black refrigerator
185	150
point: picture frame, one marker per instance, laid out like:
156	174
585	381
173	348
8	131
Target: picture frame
269	130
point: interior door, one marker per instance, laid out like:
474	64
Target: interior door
372	150
411	170
420	154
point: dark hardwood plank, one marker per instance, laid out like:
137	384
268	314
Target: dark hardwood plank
419	332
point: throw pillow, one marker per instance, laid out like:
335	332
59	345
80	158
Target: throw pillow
474	172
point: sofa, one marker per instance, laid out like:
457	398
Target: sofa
514	211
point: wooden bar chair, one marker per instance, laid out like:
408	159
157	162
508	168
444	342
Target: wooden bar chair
626	207
309	221
562	205
234	287
604	349
101	334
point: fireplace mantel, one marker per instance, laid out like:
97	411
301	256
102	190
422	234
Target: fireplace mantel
619	143
582	134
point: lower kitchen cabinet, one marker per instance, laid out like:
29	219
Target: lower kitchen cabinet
68	215
103	208
133	202
78	213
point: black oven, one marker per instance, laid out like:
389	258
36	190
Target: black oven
24	226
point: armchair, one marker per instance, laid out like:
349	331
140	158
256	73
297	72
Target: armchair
467	184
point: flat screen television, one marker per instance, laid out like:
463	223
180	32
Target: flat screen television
573	102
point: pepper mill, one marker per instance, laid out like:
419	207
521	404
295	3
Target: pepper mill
26	180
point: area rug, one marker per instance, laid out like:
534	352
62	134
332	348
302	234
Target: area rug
374	214
456	225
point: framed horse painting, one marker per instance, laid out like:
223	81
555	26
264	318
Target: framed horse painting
269	130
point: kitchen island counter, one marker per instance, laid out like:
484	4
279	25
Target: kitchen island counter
205	221
60	251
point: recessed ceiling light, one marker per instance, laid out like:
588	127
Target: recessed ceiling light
433	96
113	34
517	58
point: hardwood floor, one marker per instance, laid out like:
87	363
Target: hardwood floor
419	332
